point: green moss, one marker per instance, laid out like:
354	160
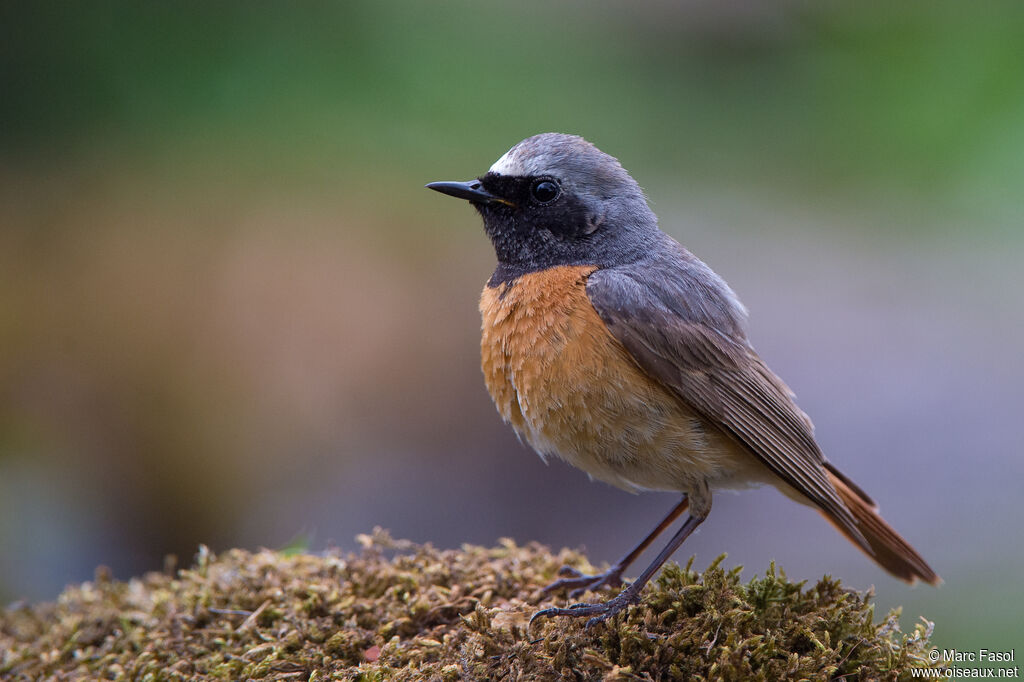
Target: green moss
404	611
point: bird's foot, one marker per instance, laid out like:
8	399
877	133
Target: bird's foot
597	612
578	582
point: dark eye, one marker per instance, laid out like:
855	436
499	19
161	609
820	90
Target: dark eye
544	191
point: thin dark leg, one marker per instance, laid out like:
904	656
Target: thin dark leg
631	594
579	582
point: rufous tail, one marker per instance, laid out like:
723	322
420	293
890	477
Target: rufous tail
884	544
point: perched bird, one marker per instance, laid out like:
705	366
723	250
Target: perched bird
608	344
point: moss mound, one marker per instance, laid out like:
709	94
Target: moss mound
409	612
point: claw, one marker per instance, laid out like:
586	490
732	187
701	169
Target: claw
544	613
598	612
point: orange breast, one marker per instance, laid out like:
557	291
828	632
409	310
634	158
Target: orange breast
570	389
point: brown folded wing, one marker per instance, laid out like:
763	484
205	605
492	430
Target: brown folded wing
687	334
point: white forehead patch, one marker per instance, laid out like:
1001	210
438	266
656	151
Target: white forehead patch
523	162
508	164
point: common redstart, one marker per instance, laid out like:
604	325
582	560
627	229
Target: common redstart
608	344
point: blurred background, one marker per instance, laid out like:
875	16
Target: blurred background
230	313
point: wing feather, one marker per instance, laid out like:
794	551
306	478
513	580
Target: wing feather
684	327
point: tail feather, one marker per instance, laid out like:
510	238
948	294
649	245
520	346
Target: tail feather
884	544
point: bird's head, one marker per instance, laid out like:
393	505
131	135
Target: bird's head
556	199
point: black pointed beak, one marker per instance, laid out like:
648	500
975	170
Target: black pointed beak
471	191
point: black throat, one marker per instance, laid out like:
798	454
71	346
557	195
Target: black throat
529	237
573	229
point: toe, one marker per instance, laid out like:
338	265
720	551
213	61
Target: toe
543	613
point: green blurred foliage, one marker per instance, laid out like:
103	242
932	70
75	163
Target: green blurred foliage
919	97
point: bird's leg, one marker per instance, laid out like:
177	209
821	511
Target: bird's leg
630	595
578	582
